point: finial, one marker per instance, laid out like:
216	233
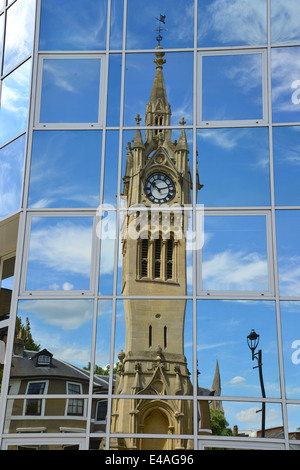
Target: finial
182	121
159	30
138	119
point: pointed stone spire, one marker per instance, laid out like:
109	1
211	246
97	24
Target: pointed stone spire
138	139
159	89
182	142
216	386
158	110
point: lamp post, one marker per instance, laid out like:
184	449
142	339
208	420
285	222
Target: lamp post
253	340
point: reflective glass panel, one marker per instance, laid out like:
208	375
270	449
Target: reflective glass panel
106	231
178	82
41	415
286	84
234	255
151	333
157	416
233	166
14	103
52	350
244	419
284	24
60	253
224	358
103	341
286	165
116	24
177	25
70	90
20	17
1	37
293	412
114	90
70	25
231	23
110	190
290	320
236	91
288	227
11	176
98	423
65	169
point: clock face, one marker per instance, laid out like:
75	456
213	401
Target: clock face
159	188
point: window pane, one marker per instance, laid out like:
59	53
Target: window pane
147	330
11	176
61	329
70	90
60	253
233	166
65	169
103	341
178	77
114	90
71	25
290	319
231	23
234	255
244	419
1	36
20	17
106	231
142	24
286	84
284	24
224	359
235	92
116	26
288	227
14	103
110	190
286	165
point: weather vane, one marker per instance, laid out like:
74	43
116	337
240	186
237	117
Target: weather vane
161	20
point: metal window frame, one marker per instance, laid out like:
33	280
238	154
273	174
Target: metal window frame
238	122
102	89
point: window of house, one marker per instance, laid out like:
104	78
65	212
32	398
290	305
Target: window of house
34	406
75	406
101	410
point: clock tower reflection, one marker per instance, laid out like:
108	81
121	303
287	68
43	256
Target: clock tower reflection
157	177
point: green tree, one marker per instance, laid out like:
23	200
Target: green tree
219	424
24	331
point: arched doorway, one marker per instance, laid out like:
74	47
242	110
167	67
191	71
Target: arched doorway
156	422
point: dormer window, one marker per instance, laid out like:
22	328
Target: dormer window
43	358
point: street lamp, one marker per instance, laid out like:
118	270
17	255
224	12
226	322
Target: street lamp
253	340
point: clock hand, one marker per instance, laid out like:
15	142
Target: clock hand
153	184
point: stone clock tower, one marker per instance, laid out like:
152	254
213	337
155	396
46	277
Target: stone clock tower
157	185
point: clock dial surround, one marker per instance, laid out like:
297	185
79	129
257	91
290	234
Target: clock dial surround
160	188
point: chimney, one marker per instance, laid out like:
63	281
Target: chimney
19	345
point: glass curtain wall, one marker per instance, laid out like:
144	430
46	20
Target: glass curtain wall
157	271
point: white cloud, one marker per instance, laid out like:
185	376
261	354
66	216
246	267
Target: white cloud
235	21
250	415
237	380
235	270
64	247
66	314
